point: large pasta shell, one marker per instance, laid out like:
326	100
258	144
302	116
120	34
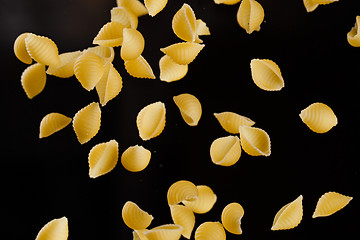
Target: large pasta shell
165	232
106	53
182	190
124	16
184	23
42	49
52	123
184	52
103	158
231	122
137	7
319	117
227	2
33	79
329	203
134	217
135	158
133	44
110	35
86	122
225	151
56	229
324	2
109	85
255	141
266	74
310	5
210	230
20	49
66	67
205	200
190	108
289	216
231	217
150	120
170	71
183	216
250	15
155	6
353	36
139	68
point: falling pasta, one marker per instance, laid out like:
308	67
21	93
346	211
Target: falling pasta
190	108
184	23
210	230
55	229
255	141
205	200
164	232
225	151
135	6
250	15
353	36
183	216
132	45
182	190
110	35
231	121
66	67
125	16
20	49
155	6
42	49
231	217
53	122
134	217
266	74
329	203
150	121
171	71
139	68
184	52
289	216
33	79
135	158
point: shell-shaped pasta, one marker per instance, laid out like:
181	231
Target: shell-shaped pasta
135	158
110	35
52	123
139	68
184	52
124	16
109	85
66	67
190	108
42	49
266	74
133	44
20	49
227	2
319	117
182	190
289	216
329	203
165	232
310	5
353	36
225	151
255	141
184	23
324	2
231	217
134	217
201	29
150	121
155	6
56	229
231	122
183	216
170	71
250	15
210	230
204	202
86	122
135	6
140	234
103	158
106	53
33	79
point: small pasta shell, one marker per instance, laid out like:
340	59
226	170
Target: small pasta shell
190	108
137	7
150	120
204	202
110	35
324	2
103	158
310	5
139	234
184	23
266	74
329	203
66	67
134	217
210	230
52	123
353	36
231	218
165	232
227	2
124	16
133	44
184	52
255	141
86	122
56	229
181	191
135	158
33	79
200	29
231	122
20	49
155	6
183	216
170	71
42	49
110	84
139	68
319	117
106	53
250	15
289	216
225	151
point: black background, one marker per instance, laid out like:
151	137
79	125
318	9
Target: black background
43	179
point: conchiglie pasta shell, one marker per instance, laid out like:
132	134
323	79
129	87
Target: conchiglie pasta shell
289	216
140	234
255	141
139	68
190	108
319	117
66	67
266	74
155	6
134	217
52	123
56	229
165	232
183	53
227	2
137	7
110	35
181	191
250	15
124	16
210	230
183	216
109	85
133	44
106	53
201	29
33	79
310	5
225	151
353	36
231	218
135	158
231	122
324	2
42	49
170	71
329	203
184	23
204	202
20	49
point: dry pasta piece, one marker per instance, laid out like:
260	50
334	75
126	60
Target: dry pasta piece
266	74
164	232
231	122
52	123
190	108
66	67
33	79
56	229
86	122
329	203
201	29
20	49
231	217
289	216
137	7
250	15
204	202
106	53
150	121
310	5
42	49
135	158
110	35
227	2
319	117
184	52
124	16
139	68
255	141
184	23
110	84
155	6
182	190
170	71
225	151
140	234
133	44
353	36
210	230
134	217
324	2
183	216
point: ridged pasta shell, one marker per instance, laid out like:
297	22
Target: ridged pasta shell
204	202
250	15
33	79
66	67
184	52
231	217
86	122
329	203
182	190
52	123
324	2
190	108
183	216
124	16
289	216
137	7
106	53
110	35
20	49
110	84
140	234
225	151
255	141
353	36
150	121
266	74
103	158
155	6
170	71
310	5
133	44
210	230
135	158
139	68
165	232
227	2
231	122
56	229
319	117
42	49
184	23
134	217
201	29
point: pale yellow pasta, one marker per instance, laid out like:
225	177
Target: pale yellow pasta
136	6
109	85
184	23
210	230
135	158
110	35
86	122
231	122
103	158
250	15
190	108
56	229
353	36
164	232
310	5
53	122
225	151
323	2
134	217
124	16
255	141
106	53
140	234
66	67
266	74
231	217
139	68
201	29
133	44
42	49
20	49
155	6
184	52
289	216
182	190
170	71
183	216
319	117
33	79
329	203
205	200
150	121
227	2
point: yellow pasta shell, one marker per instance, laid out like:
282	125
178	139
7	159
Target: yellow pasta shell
250	15
231	217
204	202
135	158
86	122
103	158
329	203
319	117
183	216
225	151
289	216
66	67
201	29
20	49
150	120
155	6
165	232
140	234
139	68
210	230
110	35
134	217
184	23
42	49
183	53
310	5
135	6
109	85
133	44
106	53
231	122
266	74
124	16
255	141
190	108
52	123
181	191
56	229
227	2
33	79
353	36
170	71
324	2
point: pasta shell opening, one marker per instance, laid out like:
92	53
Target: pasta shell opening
181	191
190	108
205	200
134	217
255	141
231	218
